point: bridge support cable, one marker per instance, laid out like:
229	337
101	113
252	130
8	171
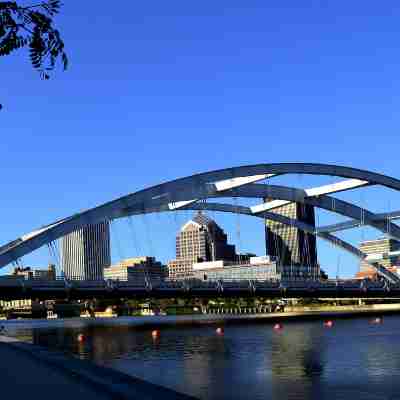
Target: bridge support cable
279	245
213	212
147	234
335	245
304	250
238	237
316	230
338	266
114	232
306	244
292	228
362	224
151	249
174	225
393	278
388	221
56	244
17	263
264	221
135	242
54	256
181	189
274	217
55	251
176	220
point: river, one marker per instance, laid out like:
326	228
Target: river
353	359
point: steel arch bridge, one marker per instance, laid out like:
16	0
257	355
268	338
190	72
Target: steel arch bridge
192	192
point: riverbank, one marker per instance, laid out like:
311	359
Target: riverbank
291	313
30	371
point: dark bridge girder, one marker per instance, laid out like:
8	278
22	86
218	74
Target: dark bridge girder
341	226
17	289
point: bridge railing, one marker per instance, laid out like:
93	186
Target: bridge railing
194	286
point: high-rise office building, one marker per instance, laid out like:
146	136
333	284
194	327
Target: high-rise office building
86	252
290	245
200	239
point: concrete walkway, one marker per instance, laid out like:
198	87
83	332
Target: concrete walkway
32	372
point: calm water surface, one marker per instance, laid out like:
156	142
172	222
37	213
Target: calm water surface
353	360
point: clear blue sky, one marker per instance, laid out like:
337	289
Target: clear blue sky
163	89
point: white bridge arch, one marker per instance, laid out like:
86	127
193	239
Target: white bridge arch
240	181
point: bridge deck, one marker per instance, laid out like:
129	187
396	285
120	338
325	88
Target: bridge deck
19	289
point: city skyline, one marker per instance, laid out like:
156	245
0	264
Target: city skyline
83	250
85	253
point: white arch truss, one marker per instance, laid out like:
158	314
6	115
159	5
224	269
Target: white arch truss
237	181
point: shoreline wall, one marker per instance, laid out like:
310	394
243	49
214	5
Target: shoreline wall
291	313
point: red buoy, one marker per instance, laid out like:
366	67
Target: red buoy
328	324
81	338
377	321
155	334
278	327
219	331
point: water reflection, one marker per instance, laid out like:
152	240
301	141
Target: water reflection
304	360
298	352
